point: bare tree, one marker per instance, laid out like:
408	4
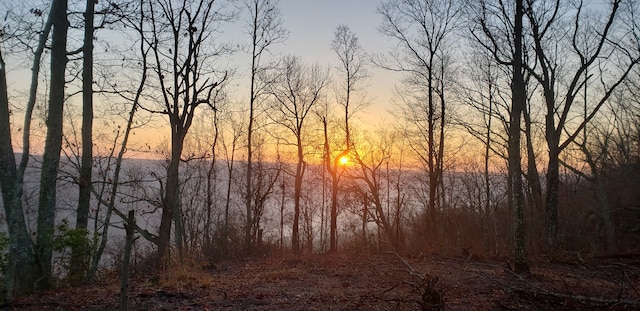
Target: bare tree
20	259
230	146
373	157
518	102
605	144
53	143
265	29
21	270
501	34
267	174
612	154
353	74
211	179
298	88
107	14
594	151
597	50
111	173
422	30
79	254
484	95
184	62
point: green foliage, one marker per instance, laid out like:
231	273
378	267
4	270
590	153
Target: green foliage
67	239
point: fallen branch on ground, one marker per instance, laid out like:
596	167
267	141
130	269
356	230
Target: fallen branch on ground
429	297
585	300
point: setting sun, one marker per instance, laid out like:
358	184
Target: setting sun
344	160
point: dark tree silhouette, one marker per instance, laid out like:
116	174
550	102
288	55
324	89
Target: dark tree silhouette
53	144
184	59
297	89
596	51
352	73
506	46
265	30
422	30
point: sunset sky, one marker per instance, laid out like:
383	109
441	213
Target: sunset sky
311	25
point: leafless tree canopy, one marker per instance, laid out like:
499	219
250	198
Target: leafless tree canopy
511	132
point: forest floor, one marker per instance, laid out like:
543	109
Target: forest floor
364	282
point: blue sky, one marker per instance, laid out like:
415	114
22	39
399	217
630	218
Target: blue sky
311	25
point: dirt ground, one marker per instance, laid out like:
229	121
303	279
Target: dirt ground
371	282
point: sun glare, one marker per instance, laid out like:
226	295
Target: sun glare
344	160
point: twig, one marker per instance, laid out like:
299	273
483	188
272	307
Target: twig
579	298
411	271
431	299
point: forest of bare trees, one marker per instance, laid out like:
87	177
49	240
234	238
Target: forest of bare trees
514	132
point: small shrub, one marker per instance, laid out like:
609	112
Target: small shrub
67	239
184	276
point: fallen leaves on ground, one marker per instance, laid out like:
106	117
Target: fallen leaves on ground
359	282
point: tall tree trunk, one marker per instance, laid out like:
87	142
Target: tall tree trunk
439	156
300	168
53	144
178	218
331	166
383	221
171	201
282	202
365	212
431	161
533	179
21	257
551	203
130	227
518	90
97	254
212	179
210	192
255	54
228	198
80	253
323	213
487	177
333	225
249	190
19	274
190	86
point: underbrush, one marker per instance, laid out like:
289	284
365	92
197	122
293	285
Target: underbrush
179	276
